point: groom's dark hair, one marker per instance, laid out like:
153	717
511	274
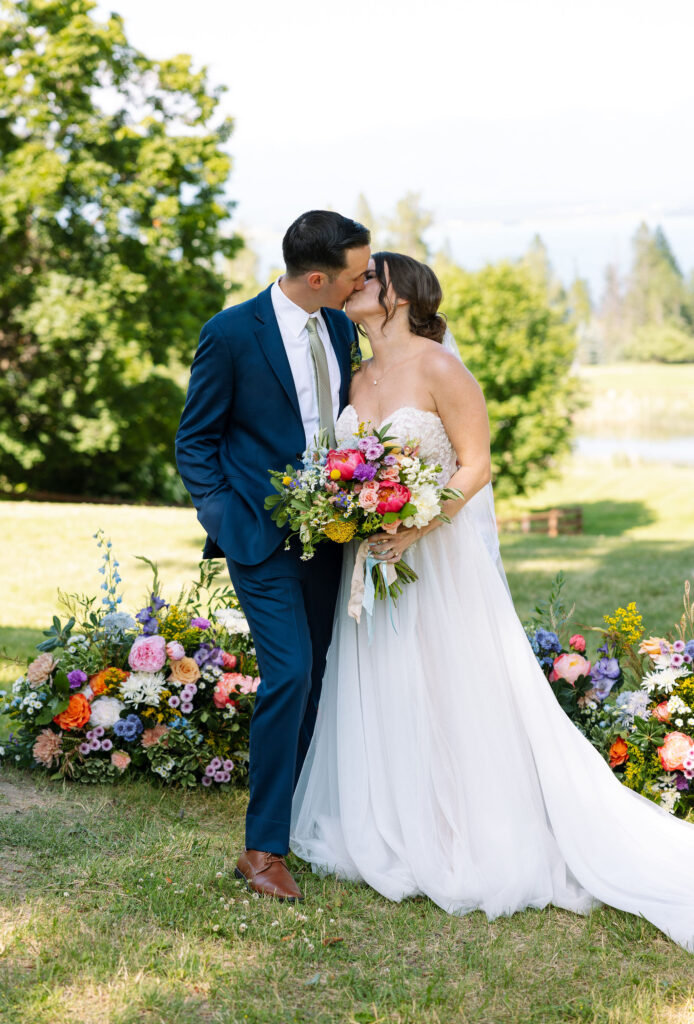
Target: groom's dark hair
318	240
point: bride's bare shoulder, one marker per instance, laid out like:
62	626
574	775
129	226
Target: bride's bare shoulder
442	368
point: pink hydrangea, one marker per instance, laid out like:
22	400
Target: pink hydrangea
148	654
175	650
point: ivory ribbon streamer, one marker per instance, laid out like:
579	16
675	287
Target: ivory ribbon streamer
362	592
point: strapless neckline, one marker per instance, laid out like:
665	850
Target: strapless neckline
387	419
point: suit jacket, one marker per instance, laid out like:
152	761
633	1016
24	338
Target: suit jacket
241	419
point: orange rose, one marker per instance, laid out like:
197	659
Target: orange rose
185	670
651	647
619	753
674	750
661	712
76	714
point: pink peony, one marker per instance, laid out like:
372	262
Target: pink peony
368	497
674	751
148	654
578	643
569	667
343	461
392	497
175	650
229	660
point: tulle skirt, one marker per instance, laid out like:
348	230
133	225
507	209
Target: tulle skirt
442	764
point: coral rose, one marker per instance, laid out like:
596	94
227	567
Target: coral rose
652	646
343	462
661	712
578	643
229	660
148	653
619	752
392	497
569	667
674	750
120	760
76	714
184	671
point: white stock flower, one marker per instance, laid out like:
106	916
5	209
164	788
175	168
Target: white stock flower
106	712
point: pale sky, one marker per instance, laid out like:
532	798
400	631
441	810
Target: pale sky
573	119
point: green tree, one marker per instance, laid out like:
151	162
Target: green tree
520	349
656	295
537	262
112	220
406	228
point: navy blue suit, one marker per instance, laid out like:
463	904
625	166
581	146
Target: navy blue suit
241	419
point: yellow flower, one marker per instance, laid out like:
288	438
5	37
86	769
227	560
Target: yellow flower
286	480
340	531
335	474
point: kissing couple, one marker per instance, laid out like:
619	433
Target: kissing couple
431	758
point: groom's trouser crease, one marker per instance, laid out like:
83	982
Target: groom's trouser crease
289	605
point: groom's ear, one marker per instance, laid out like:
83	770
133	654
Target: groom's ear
316	279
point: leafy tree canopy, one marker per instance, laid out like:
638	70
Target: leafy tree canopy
112	219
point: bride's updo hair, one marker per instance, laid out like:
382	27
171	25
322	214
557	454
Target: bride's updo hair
417	284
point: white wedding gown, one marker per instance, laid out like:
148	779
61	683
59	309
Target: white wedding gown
442	764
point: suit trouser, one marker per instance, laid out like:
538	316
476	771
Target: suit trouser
289	605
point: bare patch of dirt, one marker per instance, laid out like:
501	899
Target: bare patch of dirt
17	797
14	868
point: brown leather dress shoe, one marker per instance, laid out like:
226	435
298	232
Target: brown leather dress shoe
267	874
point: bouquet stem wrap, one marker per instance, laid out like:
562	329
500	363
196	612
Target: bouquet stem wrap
362	592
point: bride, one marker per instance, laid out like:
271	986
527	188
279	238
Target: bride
441	762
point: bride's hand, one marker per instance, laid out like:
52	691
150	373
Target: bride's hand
390	547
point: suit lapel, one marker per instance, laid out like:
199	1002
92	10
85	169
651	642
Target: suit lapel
341	350
270	340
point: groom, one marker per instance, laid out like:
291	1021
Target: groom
267	375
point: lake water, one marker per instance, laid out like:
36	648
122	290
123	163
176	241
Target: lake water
678	450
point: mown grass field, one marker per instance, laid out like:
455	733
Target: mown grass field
118	904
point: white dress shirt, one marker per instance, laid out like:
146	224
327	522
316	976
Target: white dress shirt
292	320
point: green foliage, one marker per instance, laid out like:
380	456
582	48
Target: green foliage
661	343
520	349
112	216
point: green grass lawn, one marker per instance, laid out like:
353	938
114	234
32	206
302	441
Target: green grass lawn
119	904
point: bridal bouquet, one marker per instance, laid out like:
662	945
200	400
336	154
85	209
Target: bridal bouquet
346	493
167	692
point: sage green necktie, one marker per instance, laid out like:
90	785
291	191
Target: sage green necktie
323	390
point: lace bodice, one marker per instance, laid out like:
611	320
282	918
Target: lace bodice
408	424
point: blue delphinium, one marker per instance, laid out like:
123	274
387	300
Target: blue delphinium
546	646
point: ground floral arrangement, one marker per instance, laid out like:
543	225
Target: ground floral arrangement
635	703
168	691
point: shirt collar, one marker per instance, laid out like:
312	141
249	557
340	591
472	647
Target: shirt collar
294	318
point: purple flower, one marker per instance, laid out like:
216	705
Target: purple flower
173	701
367	442
226	778
106	744
375	451
678	646
390	460
219	776
206	780
216	763
99	731
676	660
206	654
228	765
364	472
186	707
89	734
150	626
200	623
76	678
681	782
188	692
84	748
94	743
158	603
210	770
605	674
689	648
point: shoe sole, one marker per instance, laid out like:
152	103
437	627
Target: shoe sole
280	899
